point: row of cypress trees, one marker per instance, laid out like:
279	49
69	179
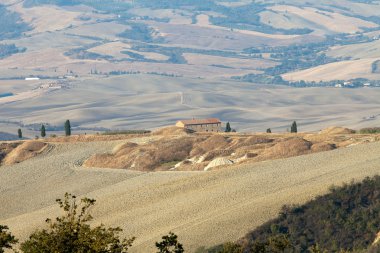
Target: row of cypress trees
67	128
293	128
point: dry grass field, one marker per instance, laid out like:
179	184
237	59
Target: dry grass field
321	21
123	103
177	150
343	70
57	30
222	204
243	64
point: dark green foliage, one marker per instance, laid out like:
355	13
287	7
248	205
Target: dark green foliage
9	49
293	128
67	128
71	233
6	239
317	249
169	244
372	130
123	132
19	133
269	131
139	32
177	58
346	218
11	24
375	66
262	79
112	6
231	248
228	127
274	244
43	131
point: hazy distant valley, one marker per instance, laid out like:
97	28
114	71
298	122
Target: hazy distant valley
95	88
146	64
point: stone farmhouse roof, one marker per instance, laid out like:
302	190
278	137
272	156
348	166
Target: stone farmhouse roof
200	121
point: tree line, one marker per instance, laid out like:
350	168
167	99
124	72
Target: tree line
342	221
346	220
293	128
67	129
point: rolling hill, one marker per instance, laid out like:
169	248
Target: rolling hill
218	203
225	58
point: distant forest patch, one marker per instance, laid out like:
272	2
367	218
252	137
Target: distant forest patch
112	6
241	17
9	49
11	24
346	218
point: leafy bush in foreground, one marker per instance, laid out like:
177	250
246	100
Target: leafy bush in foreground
6	239
71	233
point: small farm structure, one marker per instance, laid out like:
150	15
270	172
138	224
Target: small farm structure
201	125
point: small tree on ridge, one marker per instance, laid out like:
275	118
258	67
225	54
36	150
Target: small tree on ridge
67	128
43	131
228	127
293	128
19	133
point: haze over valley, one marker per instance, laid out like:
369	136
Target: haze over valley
144	64
217	126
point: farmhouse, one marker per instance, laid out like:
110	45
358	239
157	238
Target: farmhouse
201	125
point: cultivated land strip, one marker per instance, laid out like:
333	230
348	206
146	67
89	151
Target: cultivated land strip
203	208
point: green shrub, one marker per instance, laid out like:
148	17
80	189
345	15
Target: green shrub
372	130
6	239
71	233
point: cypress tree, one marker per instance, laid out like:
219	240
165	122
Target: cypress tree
228	127
293	128
43	131
67	128
19	132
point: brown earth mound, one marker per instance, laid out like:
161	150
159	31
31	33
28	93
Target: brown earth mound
288	148
195	151
159	155
214	142
6	148
24	151
167	131
337	130
320	147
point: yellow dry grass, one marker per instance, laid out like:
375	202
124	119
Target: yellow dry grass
169	131
47	18
337	130
23	152
199	59
177	149
219	204
93	138
344	70
330	21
